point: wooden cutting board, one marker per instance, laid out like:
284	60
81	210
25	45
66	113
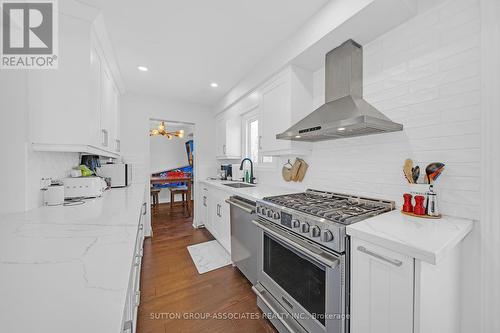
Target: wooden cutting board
295	169
286	172
302	170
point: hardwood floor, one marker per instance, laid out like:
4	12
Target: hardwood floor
171	286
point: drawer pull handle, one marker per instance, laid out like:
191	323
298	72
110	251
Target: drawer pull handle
394	262
137	298
128	326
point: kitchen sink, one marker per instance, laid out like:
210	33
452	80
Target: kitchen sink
239	185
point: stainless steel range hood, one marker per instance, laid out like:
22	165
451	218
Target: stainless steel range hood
346	113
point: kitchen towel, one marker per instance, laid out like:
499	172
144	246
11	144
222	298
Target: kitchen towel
209	256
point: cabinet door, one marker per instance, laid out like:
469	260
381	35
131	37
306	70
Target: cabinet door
220	136
225	222
106	107
213	214
233	138
96	90
275	114
59	101
381	289
204	208
117	119
222	223
114	118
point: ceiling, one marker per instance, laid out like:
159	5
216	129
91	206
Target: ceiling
187	44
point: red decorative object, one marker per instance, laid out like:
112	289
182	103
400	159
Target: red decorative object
419	208
407	206
175	174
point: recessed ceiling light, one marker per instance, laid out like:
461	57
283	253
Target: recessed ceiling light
142	68
214	85
341	129
297	136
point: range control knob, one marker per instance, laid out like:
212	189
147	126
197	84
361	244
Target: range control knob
269	213
315	231
326	236
295	224
304	227
258	209
263	210
276	216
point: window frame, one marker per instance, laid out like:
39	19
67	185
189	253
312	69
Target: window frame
246	119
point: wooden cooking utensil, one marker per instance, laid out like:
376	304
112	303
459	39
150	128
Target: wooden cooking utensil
407	170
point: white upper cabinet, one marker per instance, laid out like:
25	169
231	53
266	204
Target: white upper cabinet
75	107
228	137
285	99
59	100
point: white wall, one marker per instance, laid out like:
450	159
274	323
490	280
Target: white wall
21	168
135	114
167	154
424	74
13	123
40	165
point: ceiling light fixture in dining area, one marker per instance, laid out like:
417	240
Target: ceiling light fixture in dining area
161	131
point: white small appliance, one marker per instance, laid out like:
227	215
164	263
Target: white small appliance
120	173
53	195
83	187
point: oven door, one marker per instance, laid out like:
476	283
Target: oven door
303	278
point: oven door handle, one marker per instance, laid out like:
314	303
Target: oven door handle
308	249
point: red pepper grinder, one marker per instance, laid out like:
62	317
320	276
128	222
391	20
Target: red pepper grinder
407	206
419	208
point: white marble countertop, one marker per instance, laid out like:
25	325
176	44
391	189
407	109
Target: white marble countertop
251	193
66	269
428	240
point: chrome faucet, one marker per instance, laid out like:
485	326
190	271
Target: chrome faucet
252	178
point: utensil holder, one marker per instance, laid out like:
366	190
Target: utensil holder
419	189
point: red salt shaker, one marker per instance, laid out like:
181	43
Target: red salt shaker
407	206
419	208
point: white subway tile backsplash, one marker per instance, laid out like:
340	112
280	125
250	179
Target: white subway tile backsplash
459	87
460	59
426	75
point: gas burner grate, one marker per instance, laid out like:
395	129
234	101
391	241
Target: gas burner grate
335	207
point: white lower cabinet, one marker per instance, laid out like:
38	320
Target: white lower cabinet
215	214
381	290
134	293
396	293
204	219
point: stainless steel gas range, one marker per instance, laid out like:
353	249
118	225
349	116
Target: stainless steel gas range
303	259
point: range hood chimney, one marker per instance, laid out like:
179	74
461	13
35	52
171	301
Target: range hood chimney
345	112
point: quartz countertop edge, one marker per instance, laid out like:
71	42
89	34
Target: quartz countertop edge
428	240
257	192
67	268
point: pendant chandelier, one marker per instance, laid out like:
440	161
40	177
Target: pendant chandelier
169	135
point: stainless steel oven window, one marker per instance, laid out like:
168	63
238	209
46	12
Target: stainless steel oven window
301	277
